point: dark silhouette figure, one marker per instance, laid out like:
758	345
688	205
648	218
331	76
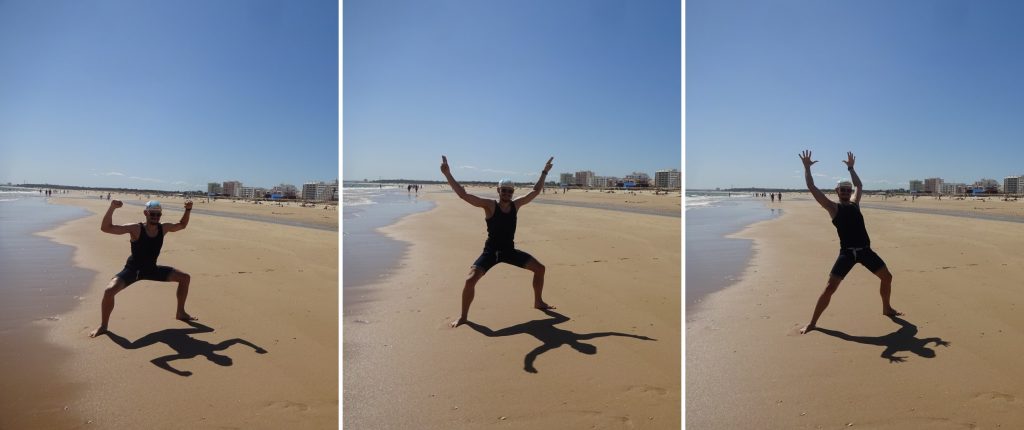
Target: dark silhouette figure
186	346
553	337
903	339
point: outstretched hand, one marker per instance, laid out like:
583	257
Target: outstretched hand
547	166
849	160
805	157
188	204
116	204
444	165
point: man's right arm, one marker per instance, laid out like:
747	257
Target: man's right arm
107	225
459	191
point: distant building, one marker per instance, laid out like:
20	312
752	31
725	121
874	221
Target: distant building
567	179
987	185
1012	185
639	178
287	191
916	186
954	188
320	191
666	178
585	178
232	188
933	185
214	188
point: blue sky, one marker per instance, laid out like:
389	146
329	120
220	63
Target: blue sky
915	89
168	94
500	86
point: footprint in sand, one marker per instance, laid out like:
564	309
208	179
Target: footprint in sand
287	406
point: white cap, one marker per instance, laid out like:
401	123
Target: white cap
506	183
153	206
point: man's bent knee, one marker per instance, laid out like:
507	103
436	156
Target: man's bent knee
884	274
115	286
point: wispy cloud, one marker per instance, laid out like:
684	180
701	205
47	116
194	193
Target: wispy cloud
468	167
147	179
113	174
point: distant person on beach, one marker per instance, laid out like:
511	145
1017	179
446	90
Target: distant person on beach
146	240
854	244
501	230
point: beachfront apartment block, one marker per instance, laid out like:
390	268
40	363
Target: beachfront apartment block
954	188
232	188
668	178
320	191
585	178
252	192
214	188
916	186
566	179
933	185
1012	185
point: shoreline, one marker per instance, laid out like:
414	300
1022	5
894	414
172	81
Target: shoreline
724	255
34	394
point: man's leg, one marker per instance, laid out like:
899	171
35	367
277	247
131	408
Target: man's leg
885	290
107	305
182	279
538	283
823	300
468	291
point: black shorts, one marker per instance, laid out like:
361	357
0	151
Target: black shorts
490	257
851	256
130	274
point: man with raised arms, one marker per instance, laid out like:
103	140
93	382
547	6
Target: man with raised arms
501	229
146	240
854	244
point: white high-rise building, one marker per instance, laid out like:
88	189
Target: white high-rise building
666	178
1012	185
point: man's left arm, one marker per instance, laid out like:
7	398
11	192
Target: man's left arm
853	177
537	187
184	219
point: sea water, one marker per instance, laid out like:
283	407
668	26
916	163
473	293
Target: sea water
368	255
714	261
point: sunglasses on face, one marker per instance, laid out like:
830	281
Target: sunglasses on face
506	191
155	214
845	190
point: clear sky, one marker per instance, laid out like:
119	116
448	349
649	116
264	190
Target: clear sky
499	86
915	89
168	94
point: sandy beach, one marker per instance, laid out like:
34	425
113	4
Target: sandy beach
614	277
950	362
263	354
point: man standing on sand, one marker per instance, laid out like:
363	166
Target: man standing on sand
146	240
854	244
501	229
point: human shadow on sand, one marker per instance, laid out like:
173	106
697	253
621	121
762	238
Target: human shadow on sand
900	340
186	346
545	331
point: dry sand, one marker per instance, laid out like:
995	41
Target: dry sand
612	275
255	286
951	362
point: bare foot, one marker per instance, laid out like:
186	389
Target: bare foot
458	322
185	317
892	313
807	328
543	306
98	331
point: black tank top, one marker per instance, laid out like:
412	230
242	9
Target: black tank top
146	249
501	228
850	225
